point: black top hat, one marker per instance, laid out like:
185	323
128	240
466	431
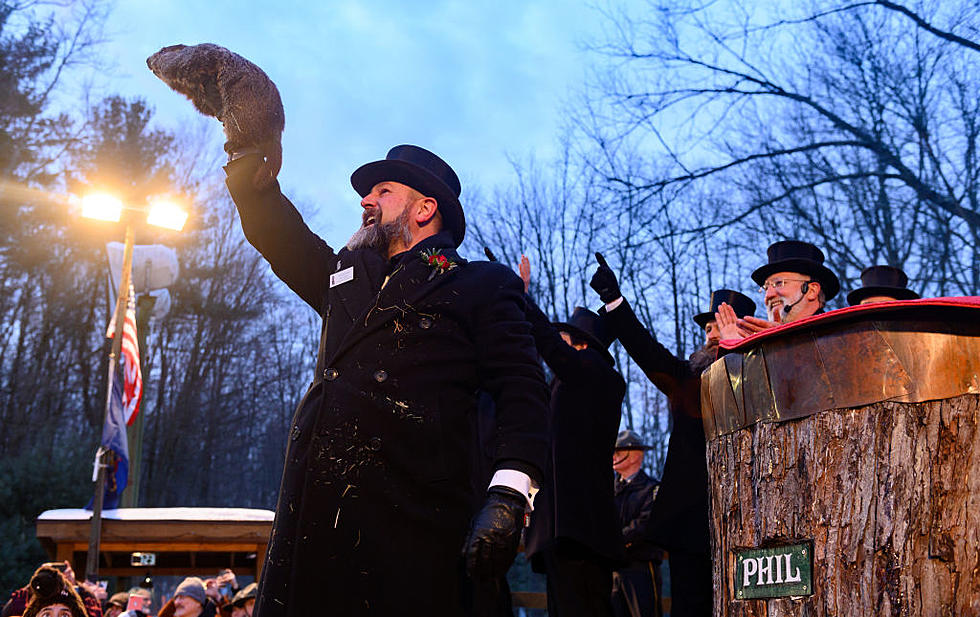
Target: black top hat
742	304
802	257
882	281
423	171
590	327
628	440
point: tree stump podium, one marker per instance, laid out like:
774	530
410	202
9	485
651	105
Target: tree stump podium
844	457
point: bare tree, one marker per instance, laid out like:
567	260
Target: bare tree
853	125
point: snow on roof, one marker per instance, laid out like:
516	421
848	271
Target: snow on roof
163	514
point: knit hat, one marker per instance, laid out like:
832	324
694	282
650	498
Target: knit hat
49	587
193	588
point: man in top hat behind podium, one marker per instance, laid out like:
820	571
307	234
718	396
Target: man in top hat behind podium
795	284
679	517
575	536
881	284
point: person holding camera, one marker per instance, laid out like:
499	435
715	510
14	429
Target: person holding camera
19	599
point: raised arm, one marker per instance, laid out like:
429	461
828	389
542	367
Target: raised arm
273	226
663	368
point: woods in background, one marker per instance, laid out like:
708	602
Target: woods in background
221	370
702	135
706	132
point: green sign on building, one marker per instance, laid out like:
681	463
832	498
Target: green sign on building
774	572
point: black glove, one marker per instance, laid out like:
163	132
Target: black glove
604	281
495	534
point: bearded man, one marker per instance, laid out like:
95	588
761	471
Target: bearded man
374	509
679	516
374	503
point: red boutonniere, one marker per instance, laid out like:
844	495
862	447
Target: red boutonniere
437	261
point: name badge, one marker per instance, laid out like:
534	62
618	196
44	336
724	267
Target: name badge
344	276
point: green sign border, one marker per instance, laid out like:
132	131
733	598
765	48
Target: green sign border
802	558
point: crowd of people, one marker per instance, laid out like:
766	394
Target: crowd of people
53	591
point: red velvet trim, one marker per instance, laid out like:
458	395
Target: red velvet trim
844	313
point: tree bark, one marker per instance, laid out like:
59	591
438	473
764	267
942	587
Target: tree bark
886	493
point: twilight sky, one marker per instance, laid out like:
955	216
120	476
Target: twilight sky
473	81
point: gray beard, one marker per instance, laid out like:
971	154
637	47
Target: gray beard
380	235
703	358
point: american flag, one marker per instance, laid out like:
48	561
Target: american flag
132	377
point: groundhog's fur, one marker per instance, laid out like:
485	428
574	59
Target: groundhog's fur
225	85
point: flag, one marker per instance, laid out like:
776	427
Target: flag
130	361
126	389
114	449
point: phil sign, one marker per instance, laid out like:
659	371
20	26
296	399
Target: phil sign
773	572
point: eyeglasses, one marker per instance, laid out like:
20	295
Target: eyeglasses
778	284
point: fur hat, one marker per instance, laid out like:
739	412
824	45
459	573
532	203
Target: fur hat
50	587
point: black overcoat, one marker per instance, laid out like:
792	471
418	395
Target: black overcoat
634	502
679	518
376	493
576	501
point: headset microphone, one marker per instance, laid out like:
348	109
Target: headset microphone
803	289
789	307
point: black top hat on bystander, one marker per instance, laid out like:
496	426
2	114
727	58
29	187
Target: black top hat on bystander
742	304
882	281
590	327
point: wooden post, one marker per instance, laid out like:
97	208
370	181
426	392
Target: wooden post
849	448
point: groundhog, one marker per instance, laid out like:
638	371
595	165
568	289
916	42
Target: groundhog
225	85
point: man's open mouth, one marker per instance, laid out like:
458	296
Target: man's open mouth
368	220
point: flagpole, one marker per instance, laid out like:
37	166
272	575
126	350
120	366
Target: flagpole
95	534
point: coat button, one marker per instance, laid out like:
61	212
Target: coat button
330	374
295	433
425	323
374	444
380	375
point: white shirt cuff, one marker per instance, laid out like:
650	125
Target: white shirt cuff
517	480
614	304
